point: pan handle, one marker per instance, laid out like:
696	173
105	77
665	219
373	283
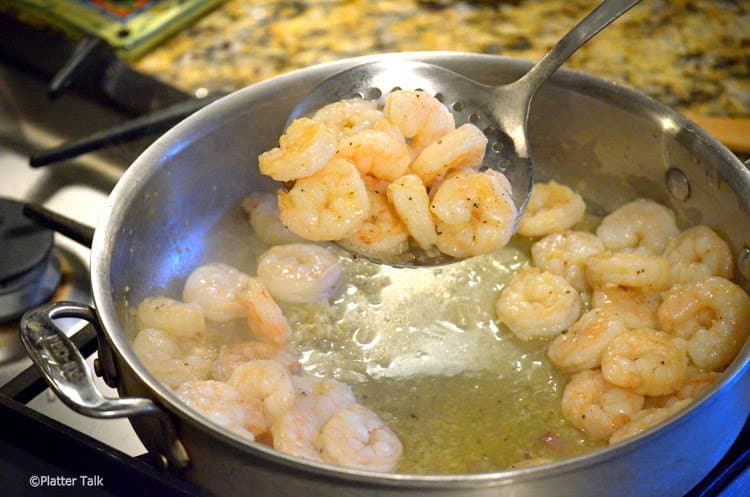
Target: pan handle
70	377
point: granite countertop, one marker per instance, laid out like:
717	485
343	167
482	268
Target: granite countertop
693	55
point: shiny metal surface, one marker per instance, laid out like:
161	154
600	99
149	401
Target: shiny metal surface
501	112
68	374
615	145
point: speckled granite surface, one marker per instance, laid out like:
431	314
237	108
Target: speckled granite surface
693	55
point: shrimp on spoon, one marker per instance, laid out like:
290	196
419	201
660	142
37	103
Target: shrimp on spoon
501	111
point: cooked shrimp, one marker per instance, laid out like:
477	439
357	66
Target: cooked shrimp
409	198
263	215
713	315
474	214
214	287
696	384
171	362
356	437
698	253
582	346
649	362
386	126
459	149
222	404
538	304
438	125
349	116
305	147
231	356
264	317
382	234
629	269
175	317
552	207
297	432
597	407
642	225
636	307
299	272
565	254
376	153
322	396
329	205
266	381
419	116
646	419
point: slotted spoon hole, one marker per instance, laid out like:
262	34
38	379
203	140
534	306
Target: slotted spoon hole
457	106
373	94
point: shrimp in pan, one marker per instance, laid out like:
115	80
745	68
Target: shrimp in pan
214	287
263	215
264	317
267	382
538	304
171	361
306	146
175	317
299	272
356	437
646	419
713	315
636	307
597	407
231	356
641	225
565	253
583	345
649	362
221	404
297	432
698	253
629	269
696	384
552	207
329	205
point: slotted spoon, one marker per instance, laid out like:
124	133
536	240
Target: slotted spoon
500	111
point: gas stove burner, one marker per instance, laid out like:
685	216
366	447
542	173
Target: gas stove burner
29	273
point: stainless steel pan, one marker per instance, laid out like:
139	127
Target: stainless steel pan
610	143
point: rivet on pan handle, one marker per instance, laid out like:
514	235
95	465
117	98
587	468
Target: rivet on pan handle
68	374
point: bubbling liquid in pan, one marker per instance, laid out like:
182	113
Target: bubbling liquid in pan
422	348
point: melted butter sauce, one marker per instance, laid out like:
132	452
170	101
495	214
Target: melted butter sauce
422	348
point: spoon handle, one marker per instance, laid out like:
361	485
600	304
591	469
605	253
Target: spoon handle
598	19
